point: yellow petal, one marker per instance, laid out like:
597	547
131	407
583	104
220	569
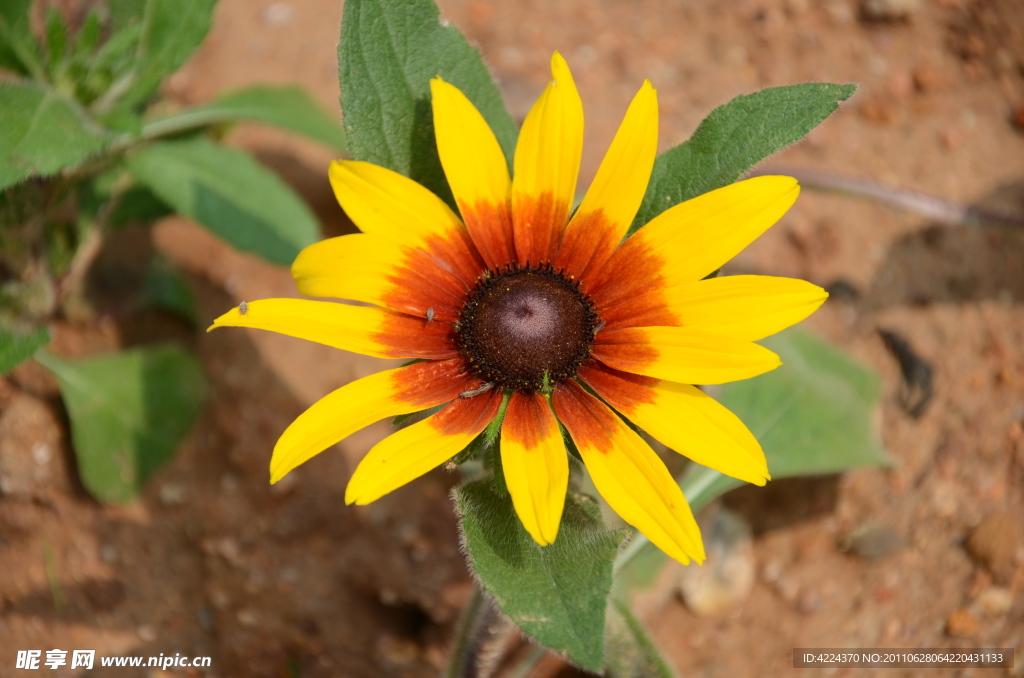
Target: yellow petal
476	170
547	165
535	464
614	197
693	239
377	270
749	307
385	203
683	354
334	417
362	402
628	474
470	153
685	419
360	329
701	234
409	453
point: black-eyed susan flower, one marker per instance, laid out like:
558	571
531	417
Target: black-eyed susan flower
524	306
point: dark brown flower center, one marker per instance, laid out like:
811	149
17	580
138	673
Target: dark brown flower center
524	323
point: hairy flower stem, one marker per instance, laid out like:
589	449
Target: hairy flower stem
471	636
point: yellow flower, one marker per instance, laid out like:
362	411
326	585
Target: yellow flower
521	296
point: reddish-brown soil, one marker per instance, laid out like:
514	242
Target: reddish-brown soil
288	581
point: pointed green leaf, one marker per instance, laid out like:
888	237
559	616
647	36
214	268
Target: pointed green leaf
129	413
17	346
557	594
734	138
390	49
290	108
14	14
42	132
88	36
229	193
56	37
171	32
16	36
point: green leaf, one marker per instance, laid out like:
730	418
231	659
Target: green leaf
629	649
288	107
226	191
56	37
129	412
171	32
137	205
165	288
42	132
112	61
14	15
734	138
88	36
18	346
126	12
390	49
814	415
556	594
17	46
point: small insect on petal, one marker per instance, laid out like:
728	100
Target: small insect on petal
599	327
484	388
243	308
430	315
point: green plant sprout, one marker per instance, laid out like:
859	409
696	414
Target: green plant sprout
86	148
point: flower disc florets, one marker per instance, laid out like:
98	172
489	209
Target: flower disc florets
524	323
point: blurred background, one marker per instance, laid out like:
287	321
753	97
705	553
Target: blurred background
287	581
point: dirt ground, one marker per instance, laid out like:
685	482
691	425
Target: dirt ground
287	581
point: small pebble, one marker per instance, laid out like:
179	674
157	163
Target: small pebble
951	137
108	553
172	494
878	111
888	10
901	84
993	542
892	628
206	619
278	14
41	453
994	601
247	617
397	651
771	571
873	542
285	486
962	624
219	599
146	633
727	576
928	78
809	602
